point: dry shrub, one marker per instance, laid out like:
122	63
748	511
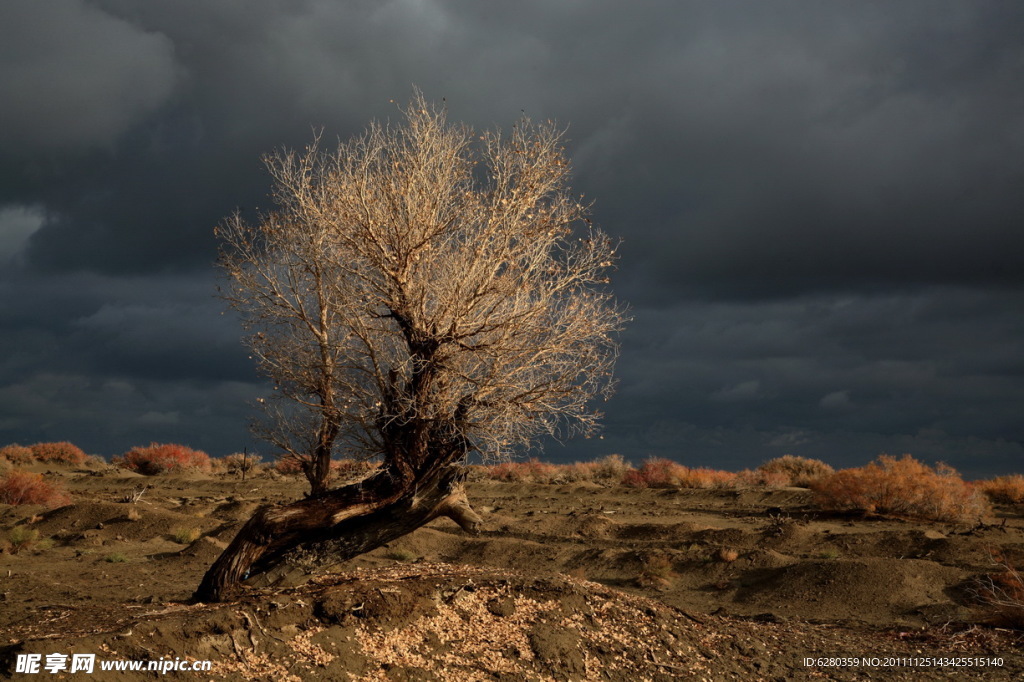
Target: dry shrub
20	538
727	555
531	471
763	479
289	465
576	472
1005	489
1002	594
237	463
160	458
904	487
656	472
801	471
24	487
61	452
611	469
17	454
656	571
349	469
340	469
704	478
185	536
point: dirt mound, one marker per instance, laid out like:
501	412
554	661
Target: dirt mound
829	589
97	523
424	622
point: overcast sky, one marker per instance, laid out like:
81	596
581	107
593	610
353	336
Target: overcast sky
821	206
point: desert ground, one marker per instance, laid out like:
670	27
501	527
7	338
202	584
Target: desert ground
564	582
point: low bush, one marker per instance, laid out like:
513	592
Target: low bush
763	479
655	472
61	452
347	469
24	487
403	555
17	454
903	487
611	469
531	471
289	465
21	538
340	469
703	477
1002	594
238	463
656	571
1005	489
801	471
185	536
160	458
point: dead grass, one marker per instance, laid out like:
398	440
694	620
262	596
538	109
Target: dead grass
903	487
185	536
20	539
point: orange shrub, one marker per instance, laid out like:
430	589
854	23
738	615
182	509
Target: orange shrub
24	487
58	453
904	487
289	465
801	471
1006	489
531	471
17	454
763	479
703	477
656	472
160	458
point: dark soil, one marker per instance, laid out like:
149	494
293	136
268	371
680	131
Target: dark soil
573	582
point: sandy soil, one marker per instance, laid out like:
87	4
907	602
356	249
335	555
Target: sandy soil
571	582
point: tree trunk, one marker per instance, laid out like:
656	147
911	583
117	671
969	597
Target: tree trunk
337	525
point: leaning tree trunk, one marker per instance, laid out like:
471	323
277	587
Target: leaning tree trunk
337	525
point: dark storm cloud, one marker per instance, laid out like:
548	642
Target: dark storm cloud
826	376
113	362
819	203
770	148
75	77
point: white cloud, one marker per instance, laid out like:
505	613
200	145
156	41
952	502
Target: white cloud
837	400
17	223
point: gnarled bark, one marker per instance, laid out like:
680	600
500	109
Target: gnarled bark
336	526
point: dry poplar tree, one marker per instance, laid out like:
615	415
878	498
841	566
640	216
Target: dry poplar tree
420	293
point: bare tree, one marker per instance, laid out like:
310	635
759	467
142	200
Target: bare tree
420	293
